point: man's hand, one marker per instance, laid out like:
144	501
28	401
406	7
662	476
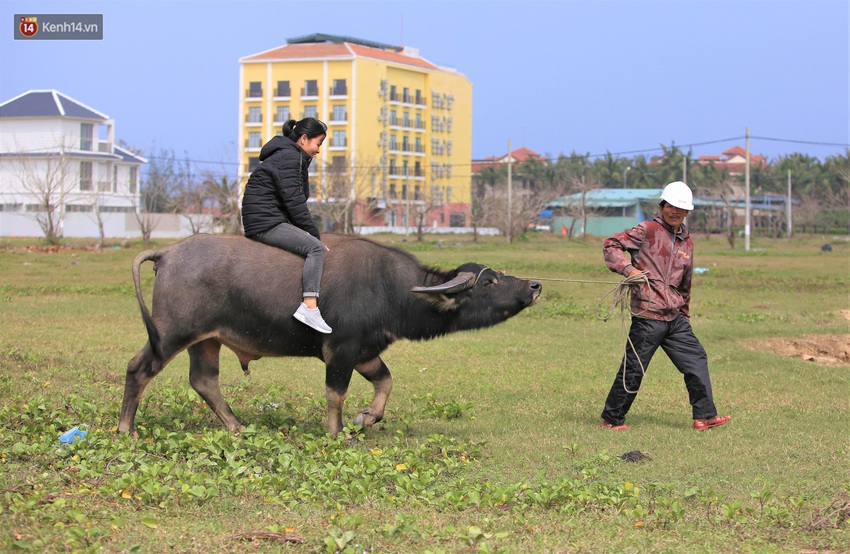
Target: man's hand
635	272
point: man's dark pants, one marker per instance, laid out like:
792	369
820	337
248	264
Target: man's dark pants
678	341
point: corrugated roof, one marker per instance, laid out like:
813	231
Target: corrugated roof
48	103
322	37
611	198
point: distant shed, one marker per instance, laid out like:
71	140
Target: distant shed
607	211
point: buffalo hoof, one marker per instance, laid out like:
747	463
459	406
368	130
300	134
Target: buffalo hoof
366	419
133	434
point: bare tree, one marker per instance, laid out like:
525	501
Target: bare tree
340	191
336	195
582	184
222	195
48	179
157	192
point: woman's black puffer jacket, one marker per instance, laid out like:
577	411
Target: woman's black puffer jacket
277	191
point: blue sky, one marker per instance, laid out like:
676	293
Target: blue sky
555	76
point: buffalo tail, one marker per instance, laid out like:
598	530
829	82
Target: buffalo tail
153	334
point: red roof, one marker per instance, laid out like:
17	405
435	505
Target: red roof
520	155
345	50
733	166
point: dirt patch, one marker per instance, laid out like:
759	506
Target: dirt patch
828	350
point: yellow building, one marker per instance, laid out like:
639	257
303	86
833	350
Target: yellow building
399	142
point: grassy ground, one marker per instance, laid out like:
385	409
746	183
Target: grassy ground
491	440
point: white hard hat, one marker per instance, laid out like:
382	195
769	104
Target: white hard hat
678	194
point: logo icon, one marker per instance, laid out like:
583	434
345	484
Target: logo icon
28	26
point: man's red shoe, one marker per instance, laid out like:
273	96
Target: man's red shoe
709	422
606	425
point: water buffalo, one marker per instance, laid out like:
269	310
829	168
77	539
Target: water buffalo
229	290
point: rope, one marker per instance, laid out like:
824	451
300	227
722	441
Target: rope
620	296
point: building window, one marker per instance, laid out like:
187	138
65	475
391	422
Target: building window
457	219
255	115
134	179
406	95
405	144
85	175
419	148
103	184
283	89
311	88
254	140
405	119
393	94
405	168
311	111
338	139
282	115
255	89
339	88
392	170
86	136
393	143
420	101
339	113
419	123
393	118
253	163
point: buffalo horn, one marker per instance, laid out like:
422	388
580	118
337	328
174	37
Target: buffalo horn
462	282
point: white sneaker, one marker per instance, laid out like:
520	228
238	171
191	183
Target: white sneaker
311	318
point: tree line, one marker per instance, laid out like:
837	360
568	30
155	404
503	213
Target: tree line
820	189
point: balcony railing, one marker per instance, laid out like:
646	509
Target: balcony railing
254	93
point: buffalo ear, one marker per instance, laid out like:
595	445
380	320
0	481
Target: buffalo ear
439	294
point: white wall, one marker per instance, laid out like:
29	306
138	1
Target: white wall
116	226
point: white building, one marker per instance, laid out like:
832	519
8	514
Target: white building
61	171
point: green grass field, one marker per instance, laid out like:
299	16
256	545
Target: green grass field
491	440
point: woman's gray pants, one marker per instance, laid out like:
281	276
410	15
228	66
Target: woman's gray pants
298	241
678	341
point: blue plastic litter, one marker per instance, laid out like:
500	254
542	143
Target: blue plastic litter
699	270
72	435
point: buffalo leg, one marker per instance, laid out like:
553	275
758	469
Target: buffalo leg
140	370
203	376
338	369
376	372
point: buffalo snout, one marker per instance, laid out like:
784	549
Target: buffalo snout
536	291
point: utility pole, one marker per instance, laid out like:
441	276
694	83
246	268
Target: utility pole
747	199
685	169
790	226
510	195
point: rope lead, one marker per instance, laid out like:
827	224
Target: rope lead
620	296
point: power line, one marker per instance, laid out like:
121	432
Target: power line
803	141
590	156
